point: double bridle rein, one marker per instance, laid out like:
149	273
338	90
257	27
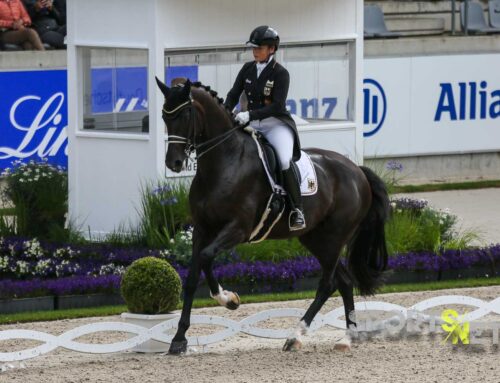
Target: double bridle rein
190	140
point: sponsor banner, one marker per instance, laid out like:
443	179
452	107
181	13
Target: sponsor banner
119	90
33	116
412	105
432	105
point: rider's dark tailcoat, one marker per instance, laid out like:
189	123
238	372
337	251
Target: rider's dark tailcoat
266	95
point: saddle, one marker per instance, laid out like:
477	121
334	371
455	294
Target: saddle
277	203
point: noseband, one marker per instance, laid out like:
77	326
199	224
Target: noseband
191	146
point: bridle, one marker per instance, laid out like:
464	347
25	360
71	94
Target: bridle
190	141
170	115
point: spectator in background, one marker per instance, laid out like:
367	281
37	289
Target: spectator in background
49	20
14	26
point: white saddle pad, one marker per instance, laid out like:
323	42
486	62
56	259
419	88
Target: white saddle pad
309	180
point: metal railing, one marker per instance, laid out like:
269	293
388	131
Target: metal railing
466	17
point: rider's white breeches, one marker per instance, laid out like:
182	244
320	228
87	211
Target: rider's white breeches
279	135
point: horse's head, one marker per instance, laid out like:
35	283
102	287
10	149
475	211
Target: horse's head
178	115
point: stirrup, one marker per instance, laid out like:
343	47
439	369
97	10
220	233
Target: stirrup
296	220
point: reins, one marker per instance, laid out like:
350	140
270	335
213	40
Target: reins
204	147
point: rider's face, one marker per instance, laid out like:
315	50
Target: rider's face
262	53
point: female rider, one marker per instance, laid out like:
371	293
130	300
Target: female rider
265	83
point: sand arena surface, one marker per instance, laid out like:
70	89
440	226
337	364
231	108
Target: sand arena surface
244	358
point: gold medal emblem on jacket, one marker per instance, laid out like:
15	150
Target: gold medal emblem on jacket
268	88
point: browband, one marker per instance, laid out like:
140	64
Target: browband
177	108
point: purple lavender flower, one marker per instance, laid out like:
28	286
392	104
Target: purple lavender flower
411	204
169	201
394	166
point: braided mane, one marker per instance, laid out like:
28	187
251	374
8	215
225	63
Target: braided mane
213	93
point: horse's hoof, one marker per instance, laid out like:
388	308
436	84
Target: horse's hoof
178	347
234	302
292	345
342	346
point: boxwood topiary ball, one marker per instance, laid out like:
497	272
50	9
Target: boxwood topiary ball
151	286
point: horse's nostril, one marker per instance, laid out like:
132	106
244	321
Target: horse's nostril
178	164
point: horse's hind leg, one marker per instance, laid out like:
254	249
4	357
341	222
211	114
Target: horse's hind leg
343	282
327	251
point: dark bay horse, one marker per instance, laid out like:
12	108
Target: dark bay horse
229	193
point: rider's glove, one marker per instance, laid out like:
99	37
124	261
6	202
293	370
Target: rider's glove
242	117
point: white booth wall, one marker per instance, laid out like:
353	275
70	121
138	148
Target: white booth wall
106	169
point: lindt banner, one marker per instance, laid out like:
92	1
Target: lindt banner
33	116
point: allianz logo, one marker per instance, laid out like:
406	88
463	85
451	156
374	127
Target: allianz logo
456	102
467	101
375	106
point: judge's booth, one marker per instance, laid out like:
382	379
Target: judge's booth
117	139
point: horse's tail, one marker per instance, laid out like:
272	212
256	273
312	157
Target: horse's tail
367	252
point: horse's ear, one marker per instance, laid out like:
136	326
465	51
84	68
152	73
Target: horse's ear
164	89
187	88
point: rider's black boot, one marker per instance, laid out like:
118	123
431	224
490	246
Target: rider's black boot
296	220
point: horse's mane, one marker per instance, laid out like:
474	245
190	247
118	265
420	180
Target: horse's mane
213	93
179	82
219	100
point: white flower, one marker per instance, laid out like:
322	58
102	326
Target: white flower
164	253
42	267
60	268
33	248
4	263
111	269
22	267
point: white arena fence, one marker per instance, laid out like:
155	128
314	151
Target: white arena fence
247	325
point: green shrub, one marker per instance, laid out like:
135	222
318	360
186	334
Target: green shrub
151	286
416	229
39	193
271	250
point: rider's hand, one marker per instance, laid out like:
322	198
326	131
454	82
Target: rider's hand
242	117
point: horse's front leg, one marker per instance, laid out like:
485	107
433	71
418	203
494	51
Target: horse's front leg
179	342
228	299
230	236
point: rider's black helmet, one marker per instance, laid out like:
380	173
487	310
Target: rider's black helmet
263	35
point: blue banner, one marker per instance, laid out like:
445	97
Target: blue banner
33	116
119	90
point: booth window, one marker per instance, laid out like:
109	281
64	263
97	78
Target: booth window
115	90
321	79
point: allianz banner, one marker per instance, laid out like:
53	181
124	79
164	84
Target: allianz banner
412	105
431	105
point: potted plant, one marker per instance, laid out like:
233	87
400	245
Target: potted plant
151	289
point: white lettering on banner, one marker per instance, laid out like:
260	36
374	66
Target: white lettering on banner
468	102
42	120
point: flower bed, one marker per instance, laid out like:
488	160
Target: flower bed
29	268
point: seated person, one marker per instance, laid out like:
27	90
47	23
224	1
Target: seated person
48	18
14	26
